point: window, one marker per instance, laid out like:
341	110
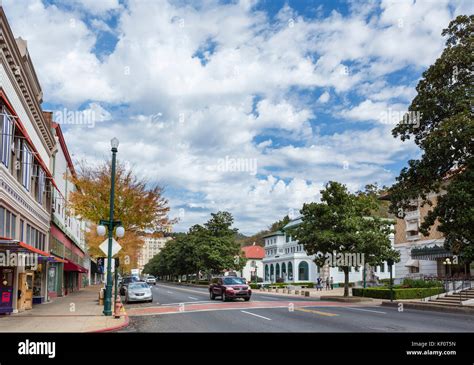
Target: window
13	222
7	224
6	140
26	167
41	185
382	267
2	221
266	273
277	271
290	271
303	271
22	224
28	233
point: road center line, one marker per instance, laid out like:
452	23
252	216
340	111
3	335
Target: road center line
256	315
365	310
193	298
327	314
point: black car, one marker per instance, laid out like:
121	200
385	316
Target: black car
125	281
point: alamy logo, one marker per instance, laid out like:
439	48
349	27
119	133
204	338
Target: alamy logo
37	348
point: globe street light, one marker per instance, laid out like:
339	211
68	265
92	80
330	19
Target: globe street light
114	143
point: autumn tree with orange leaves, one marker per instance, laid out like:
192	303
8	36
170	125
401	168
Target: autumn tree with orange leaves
140	206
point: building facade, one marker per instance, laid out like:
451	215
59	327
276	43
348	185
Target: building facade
287	261
151	247
67	238
420	255
34	164
26	150
253	269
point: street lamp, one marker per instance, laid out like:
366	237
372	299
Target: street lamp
446	263
390	263
110	224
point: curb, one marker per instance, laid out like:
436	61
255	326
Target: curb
113	328
431	307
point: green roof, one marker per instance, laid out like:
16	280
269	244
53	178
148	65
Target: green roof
276	233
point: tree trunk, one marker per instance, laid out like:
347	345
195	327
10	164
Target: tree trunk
346	281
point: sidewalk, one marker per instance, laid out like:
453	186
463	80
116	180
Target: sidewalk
314	293
78	312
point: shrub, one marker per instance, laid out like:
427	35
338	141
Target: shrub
398	293
419	283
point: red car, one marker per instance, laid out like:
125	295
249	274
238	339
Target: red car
228	288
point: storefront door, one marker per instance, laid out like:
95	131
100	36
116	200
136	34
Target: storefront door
6	290
26	291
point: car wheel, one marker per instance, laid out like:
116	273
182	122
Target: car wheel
247	299
212	296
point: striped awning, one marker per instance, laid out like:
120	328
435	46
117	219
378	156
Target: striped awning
430	253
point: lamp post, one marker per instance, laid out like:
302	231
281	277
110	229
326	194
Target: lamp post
446	263
110	224
390	265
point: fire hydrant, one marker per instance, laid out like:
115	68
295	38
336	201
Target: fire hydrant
118	308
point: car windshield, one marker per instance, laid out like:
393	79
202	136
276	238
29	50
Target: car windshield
234	281
138	286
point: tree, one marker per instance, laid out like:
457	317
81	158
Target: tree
343	224
445	133
209	248
139	206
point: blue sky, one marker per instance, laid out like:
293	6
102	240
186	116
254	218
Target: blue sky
247	106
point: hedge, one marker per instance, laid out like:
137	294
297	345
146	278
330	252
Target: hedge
403	293
284	285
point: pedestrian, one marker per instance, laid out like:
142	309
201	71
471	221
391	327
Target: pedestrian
327	283
332	283
319	285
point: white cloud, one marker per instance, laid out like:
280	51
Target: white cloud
177	115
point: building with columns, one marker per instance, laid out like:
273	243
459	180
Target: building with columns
287	261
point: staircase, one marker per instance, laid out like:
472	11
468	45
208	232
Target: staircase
455	298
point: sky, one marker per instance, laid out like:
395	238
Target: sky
245	106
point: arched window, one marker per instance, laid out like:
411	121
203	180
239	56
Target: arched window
290	271
277	271
303	271
266	273
283	270
271	273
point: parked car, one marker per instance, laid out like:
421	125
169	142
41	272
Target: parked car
138	292
228	288
125	281
151	280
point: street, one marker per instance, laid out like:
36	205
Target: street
188	309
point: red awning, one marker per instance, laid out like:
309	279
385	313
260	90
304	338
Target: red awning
71	266
18	246
58	259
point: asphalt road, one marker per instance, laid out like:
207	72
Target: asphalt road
280	314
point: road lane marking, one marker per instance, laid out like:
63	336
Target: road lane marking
256	315
193	298
365	310
169	292
203	292
195	302
327	314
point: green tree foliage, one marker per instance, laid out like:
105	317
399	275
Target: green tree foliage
445	134
210	249
343	223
